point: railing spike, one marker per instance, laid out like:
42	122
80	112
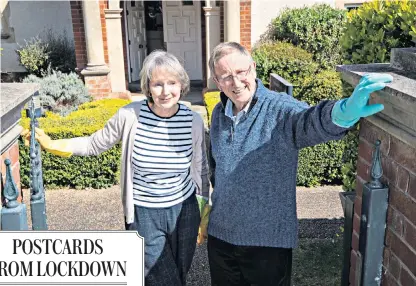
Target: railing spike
10	191
376	168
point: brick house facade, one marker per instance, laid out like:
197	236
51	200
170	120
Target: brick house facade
245	23
101	84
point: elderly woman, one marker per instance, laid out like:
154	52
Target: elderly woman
163	170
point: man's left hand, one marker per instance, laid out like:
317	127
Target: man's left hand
347	112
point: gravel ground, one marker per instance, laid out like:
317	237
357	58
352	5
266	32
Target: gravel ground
319	211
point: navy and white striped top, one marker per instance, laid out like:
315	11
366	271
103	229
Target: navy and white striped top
162	155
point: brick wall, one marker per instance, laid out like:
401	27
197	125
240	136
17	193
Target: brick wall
13	155
98	86
79	34
399	172
245	23
104	5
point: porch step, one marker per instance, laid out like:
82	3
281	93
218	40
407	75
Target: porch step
134	86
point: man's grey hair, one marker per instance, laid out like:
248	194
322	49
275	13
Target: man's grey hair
224	49
167	61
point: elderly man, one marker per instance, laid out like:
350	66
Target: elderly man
256	135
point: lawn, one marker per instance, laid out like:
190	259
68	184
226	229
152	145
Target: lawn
317	262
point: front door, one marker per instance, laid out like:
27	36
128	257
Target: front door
182	33
136	28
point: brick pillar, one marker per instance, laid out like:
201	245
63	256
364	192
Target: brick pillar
399	167
98	86
395	127
245	24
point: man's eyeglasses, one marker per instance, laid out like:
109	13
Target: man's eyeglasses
241	75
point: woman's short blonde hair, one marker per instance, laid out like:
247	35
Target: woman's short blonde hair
167	61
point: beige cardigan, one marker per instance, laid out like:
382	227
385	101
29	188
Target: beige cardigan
122	126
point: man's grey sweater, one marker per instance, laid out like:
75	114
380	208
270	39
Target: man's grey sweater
254	167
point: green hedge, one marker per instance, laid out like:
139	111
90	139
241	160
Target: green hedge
375	28
371	32
324	85
292	63
76	172
316	29
322	163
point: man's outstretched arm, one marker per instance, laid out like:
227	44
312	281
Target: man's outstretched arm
329	120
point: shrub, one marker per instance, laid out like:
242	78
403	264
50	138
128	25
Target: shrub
290	62
321	163
76	172
211	99
61	52
375	28
316	29
324	85
349	159
34	56
59	92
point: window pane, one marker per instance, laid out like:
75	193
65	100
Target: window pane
187	3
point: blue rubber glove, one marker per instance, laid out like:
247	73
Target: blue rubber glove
348	111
